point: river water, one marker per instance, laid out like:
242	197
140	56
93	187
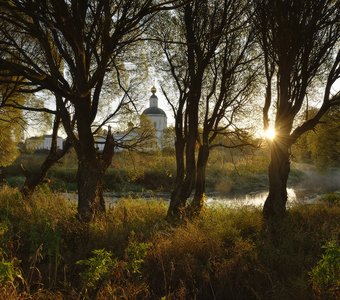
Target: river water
256	199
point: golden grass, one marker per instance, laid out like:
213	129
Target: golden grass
226	253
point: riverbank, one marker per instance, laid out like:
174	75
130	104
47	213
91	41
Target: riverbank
133	253
155	173
213	199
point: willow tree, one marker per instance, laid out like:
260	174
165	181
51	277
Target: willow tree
299	40
324	142
227	94
207	49
88	37
12	123
189	28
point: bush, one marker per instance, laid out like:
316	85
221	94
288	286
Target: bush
16	181
97	269
9	272
135	255
325	276
331	198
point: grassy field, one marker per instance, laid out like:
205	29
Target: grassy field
140	172
133	253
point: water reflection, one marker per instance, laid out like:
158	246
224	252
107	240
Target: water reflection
256	199
252	199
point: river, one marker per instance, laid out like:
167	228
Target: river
256	199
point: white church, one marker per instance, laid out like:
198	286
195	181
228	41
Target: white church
156	115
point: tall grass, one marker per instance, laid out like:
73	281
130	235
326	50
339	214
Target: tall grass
133	253
141	172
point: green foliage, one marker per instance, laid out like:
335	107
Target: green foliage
325	276
8	149
331	198
9	268
324	144
147	135
168	140
3	229
16	181
321	146
141	172
97	268
136	253
9	272
300	149
11	124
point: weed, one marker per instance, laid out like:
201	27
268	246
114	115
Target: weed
9	272
135	255
325	276
97	268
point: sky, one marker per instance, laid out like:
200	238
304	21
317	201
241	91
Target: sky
162	103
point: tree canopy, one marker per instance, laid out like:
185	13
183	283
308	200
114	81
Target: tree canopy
12	123
299	42
67	48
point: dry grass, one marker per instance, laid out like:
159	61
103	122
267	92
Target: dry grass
224	254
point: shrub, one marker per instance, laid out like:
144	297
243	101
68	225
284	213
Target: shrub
135	255
16	181
331	198
325	276
97	268
9	272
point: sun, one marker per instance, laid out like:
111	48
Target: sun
270	133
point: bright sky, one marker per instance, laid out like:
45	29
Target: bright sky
162	103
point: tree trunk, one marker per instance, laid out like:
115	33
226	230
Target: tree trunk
176	205
179	198
198	201
2	176
179	148
90	193
279	168
34	179
90	170
184	187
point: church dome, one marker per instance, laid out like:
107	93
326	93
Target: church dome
154	111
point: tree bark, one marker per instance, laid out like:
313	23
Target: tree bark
279	168
198	200
185	185
90	171
34	179
90	193
176	203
